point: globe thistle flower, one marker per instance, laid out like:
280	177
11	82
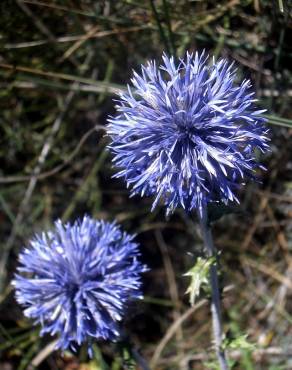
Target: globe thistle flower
187	133
78	279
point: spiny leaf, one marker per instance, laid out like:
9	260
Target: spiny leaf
213	365
128	359
199	274
238	343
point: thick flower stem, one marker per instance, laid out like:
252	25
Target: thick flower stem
215	304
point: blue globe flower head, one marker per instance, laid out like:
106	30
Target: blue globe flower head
78	279
186	132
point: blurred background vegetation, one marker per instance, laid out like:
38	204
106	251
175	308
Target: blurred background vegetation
61	62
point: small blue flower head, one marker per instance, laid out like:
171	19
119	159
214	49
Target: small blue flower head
78	279
187	132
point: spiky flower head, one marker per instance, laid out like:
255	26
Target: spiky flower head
78	279
186	133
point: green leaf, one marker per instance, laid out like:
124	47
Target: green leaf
128	360
199	275
239	343
278	121
213	365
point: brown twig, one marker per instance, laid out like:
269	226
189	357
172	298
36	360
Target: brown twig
170	275
77	38
55	170
101	86
31	185
270	271
258	218
172	330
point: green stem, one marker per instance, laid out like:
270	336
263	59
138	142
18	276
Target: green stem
160	28
168	23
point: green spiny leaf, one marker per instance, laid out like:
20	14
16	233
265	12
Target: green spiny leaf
199	275
128	360
239	343
213	364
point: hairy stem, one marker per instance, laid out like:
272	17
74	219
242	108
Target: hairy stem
215	305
